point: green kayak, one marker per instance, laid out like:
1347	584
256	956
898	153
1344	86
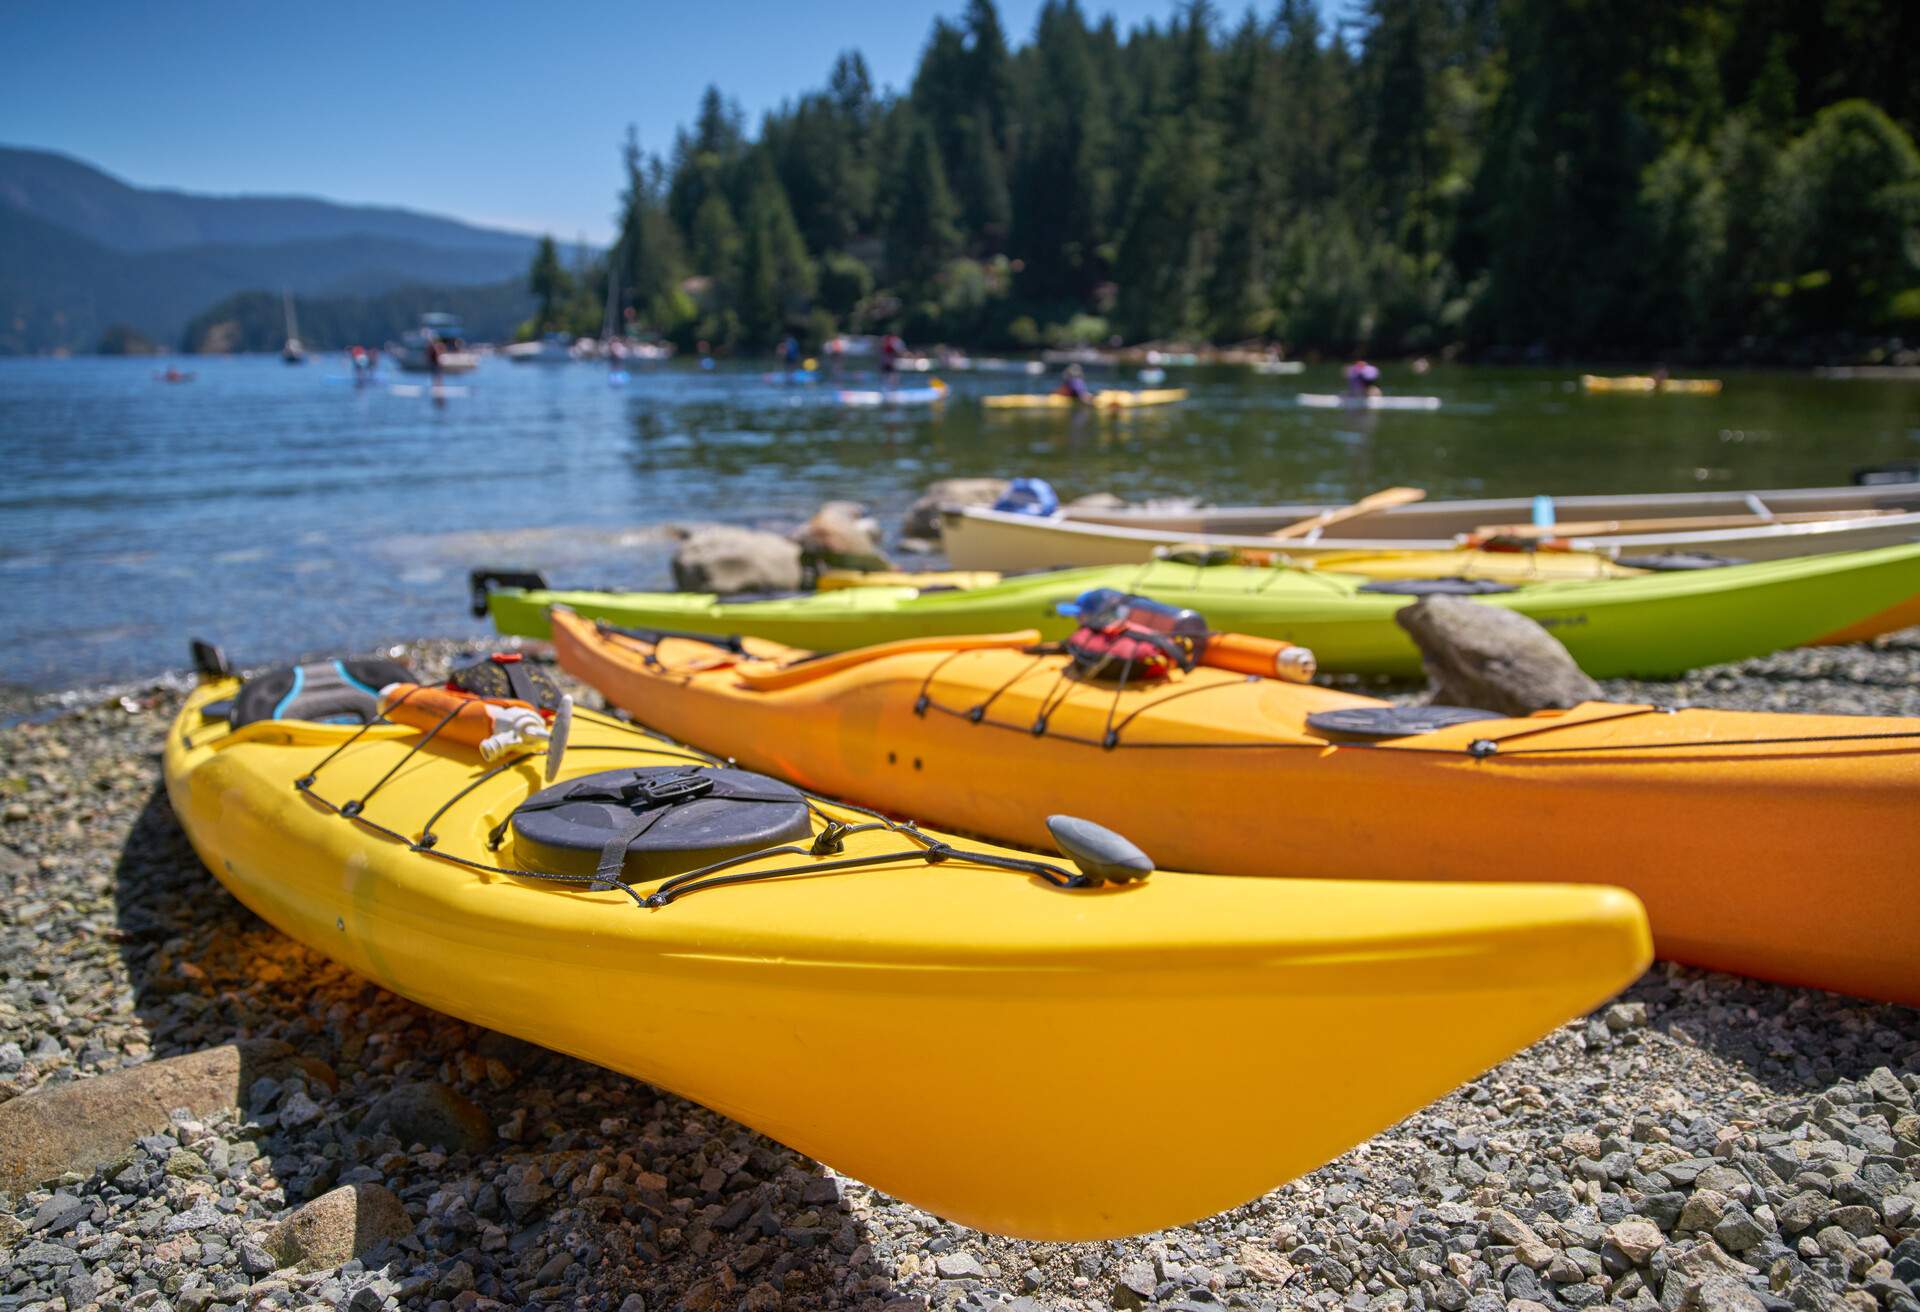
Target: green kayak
1650	626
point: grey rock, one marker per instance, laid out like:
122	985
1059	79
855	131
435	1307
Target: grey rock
86	1124
346	1223
80	1290
1737	1231
40	1253
1703	1210
1636	1240
1492	658
725	559
431	1114
841	535
59	1213
1623	1016
959	1266
1885	1086
1135	1286
298	1110
1663	1209
1804	1211
1724	1294
198	1217
1685	1172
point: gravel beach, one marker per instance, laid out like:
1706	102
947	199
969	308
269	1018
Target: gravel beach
1703	1142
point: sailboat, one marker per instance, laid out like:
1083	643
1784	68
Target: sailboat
293	352
613	347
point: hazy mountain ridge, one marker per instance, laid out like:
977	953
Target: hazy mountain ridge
75	195
81	251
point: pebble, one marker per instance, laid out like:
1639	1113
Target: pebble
1703	1142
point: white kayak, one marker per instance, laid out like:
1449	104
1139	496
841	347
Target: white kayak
1859	519
439	392
1279	367
894	396
1328	401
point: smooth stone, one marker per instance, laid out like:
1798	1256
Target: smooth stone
87	1124
1492	658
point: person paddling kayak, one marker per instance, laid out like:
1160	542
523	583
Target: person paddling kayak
1363	379
1073	385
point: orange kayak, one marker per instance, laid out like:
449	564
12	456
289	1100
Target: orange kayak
1778	846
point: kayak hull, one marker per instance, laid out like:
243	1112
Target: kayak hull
1652	626
1331	401
862	1015
1719	839
1111	399
897	396
1647	385
1429	520
982	538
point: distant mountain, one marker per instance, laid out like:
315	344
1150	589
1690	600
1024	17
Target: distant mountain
252	321
81	198
81	251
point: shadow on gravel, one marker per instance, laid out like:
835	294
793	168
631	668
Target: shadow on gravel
550	1176
1790	1040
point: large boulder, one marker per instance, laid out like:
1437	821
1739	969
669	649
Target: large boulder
841	535
921	527
723	558
92	1123
1492	658
338	1226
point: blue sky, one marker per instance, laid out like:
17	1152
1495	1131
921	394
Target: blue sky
506	114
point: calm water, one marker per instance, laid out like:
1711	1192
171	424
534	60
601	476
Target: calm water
280	511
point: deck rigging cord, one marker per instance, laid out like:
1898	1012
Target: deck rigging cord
1067	681
829	842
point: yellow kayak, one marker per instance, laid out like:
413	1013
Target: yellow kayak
929	580
956	1023
1465	563
1648	383
1111	399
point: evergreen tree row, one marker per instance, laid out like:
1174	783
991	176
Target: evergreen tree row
1706	176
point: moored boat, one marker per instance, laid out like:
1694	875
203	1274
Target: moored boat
438	332
1759	525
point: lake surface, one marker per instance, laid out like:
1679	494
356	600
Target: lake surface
281	511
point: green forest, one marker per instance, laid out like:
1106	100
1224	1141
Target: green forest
1702	179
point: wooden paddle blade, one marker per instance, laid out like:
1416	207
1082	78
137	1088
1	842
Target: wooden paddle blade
1385	499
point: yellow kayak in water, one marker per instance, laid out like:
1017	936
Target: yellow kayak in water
1647	383
957	1023
1111	399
